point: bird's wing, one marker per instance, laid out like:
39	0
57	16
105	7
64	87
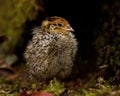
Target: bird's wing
41	48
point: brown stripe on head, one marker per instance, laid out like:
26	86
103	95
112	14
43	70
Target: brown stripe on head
57	19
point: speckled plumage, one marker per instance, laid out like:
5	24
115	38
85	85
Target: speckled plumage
52	50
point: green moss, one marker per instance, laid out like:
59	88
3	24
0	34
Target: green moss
13	15
55	87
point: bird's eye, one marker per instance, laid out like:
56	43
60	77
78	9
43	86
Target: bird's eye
60	25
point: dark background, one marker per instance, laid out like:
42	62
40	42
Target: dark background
83	16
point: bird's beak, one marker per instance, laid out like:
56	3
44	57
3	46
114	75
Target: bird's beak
70	29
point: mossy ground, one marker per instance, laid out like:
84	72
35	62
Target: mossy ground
11	86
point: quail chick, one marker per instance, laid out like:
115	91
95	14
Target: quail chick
52	50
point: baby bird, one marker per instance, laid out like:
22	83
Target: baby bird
52	50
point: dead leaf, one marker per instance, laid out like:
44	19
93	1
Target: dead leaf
5	66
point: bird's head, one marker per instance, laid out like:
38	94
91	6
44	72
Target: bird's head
56	24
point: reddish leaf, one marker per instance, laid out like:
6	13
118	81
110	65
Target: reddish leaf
24	93
41	94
